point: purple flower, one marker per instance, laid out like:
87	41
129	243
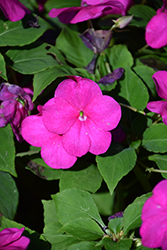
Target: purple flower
156	29
117	215
77	120
154	218
13	9
11	239
160	107
91	9
14	107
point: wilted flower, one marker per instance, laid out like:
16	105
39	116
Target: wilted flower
11	239
160	107
112	77
77	120
117	215
13	9
14	107
156	29
91	9
154	218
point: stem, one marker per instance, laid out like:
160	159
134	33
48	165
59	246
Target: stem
133	109
156	170
144	47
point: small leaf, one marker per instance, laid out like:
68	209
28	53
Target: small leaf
3	68
161	161
85	245
124	244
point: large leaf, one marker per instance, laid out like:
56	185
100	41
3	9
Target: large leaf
114	167
104	202
9	195
85	245
30	60
7	150
50	4
132	214
20	33
88	179
3	68
62	241
155	138
74	49
83	229
133	90
44	78
75	203
161	161
124	244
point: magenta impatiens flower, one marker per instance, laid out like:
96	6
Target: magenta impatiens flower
15	104
154	218
77	120
160	107
13	9
91	9
156	29
11	239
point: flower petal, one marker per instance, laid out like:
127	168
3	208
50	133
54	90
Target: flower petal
9	235
34	131
156	31
20	244
159	107
76	141
100	139
55	155
160	80
78	93
59	115
105	112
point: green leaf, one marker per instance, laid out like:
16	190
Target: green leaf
75	203
30	60
44	78
85	245
114	167
9	195
61	242
74	49
161	161
50	4
104	203
124	244
3	68
83	229
146	73
141	15
119	56
20	33
155	138
132	214
133	90
88	179
115	225
7	152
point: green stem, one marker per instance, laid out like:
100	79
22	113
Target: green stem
133	109
156	170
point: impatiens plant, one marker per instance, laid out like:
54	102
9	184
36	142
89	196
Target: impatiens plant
11	239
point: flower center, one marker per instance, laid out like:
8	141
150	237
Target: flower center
82	117
20	101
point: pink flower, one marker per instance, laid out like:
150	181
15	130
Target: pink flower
11	239
77	120
13	9
160	107
14	107
156	29
91	9
154	218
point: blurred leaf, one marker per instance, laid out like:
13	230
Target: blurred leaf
30	60
141	15
132	214
3	68
88	179
155	138
114	167
9	195
104	203
119	56
74	49
133	90
75	203
161	161
44	78
83	229
85	245
50	4
20	33
7	152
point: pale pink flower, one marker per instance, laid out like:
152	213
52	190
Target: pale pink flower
11	239
91	9
13	9
77	120
154	218
160	107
